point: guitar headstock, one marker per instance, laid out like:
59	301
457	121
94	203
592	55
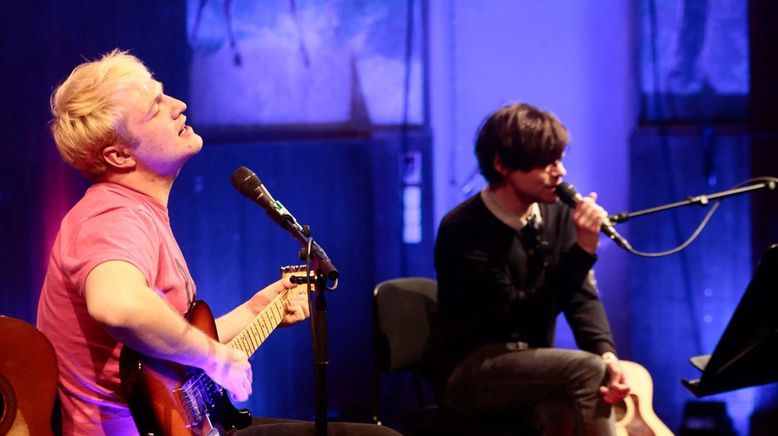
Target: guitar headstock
298	274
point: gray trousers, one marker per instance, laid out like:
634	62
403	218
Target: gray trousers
559	387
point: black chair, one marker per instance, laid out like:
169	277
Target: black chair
402	309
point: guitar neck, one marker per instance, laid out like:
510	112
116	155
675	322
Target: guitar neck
254	334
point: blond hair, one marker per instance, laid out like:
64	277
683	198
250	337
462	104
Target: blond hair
88	109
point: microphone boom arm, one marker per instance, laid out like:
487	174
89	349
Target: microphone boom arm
702	200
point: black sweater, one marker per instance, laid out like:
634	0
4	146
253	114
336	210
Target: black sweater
483	294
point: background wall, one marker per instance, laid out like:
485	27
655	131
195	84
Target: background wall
576	59
566	57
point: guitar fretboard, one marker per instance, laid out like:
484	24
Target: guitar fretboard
252	336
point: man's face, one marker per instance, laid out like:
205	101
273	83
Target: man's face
161	141
538	184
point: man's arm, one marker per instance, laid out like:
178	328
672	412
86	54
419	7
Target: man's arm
586	316
588	313
119	299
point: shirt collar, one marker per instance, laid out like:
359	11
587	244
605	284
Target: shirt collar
507	217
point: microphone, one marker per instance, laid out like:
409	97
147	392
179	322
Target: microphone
570	196
248	184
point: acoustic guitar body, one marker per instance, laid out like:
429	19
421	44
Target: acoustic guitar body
635	414
28	379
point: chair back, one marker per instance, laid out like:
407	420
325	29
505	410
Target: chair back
402	309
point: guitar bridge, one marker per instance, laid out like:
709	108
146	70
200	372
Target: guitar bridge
198	396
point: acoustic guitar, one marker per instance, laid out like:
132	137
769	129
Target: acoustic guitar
635	415
166	398
28	379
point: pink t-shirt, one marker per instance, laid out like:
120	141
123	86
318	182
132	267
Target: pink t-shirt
111	222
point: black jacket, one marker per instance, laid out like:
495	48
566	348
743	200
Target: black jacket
484	295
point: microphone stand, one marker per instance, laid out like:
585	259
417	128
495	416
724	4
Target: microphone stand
324	272
702	200
325	276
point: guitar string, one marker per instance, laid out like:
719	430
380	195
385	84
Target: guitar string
240	340
244	346
200	390
246	341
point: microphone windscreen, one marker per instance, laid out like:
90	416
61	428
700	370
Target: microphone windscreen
245	181
568	194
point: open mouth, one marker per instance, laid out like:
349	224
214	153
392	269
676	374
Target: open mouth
183	125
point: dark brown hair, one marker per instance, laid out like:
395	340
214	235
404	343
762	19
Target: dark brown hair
523	136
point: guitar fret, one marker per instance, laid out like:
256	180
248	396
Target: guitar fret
250	340
272	319
277	310
252	336
259	337
255	343
249	343
243	344
270	316
267	323
246	345
256	333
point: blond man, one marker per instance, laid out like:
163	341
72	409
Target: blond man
116	275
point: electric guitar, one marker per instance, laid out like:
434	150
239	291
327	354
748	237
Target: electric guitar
634	415
166	398
28	379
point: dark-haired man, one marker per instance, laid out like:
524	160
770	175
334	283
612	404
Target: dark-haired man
508	261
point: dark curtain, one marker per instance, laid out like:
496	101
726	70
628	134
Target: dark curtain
41	41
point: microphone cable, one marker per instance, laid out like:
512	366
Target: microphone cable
771	185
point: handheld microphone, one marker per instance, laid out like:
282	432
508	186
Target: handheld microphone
570	196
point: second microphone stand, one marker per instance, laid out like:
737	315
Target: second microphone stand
768	183
702	200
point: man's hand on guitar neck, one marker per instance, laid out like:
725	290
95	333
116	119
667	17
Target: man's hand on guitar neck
230	367
297	308
233	322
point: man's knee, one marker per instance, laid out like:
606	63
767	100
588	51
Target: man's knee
590	370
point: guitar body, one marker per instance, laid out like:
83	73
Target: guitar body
166	398
634	415
28	379
155	389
